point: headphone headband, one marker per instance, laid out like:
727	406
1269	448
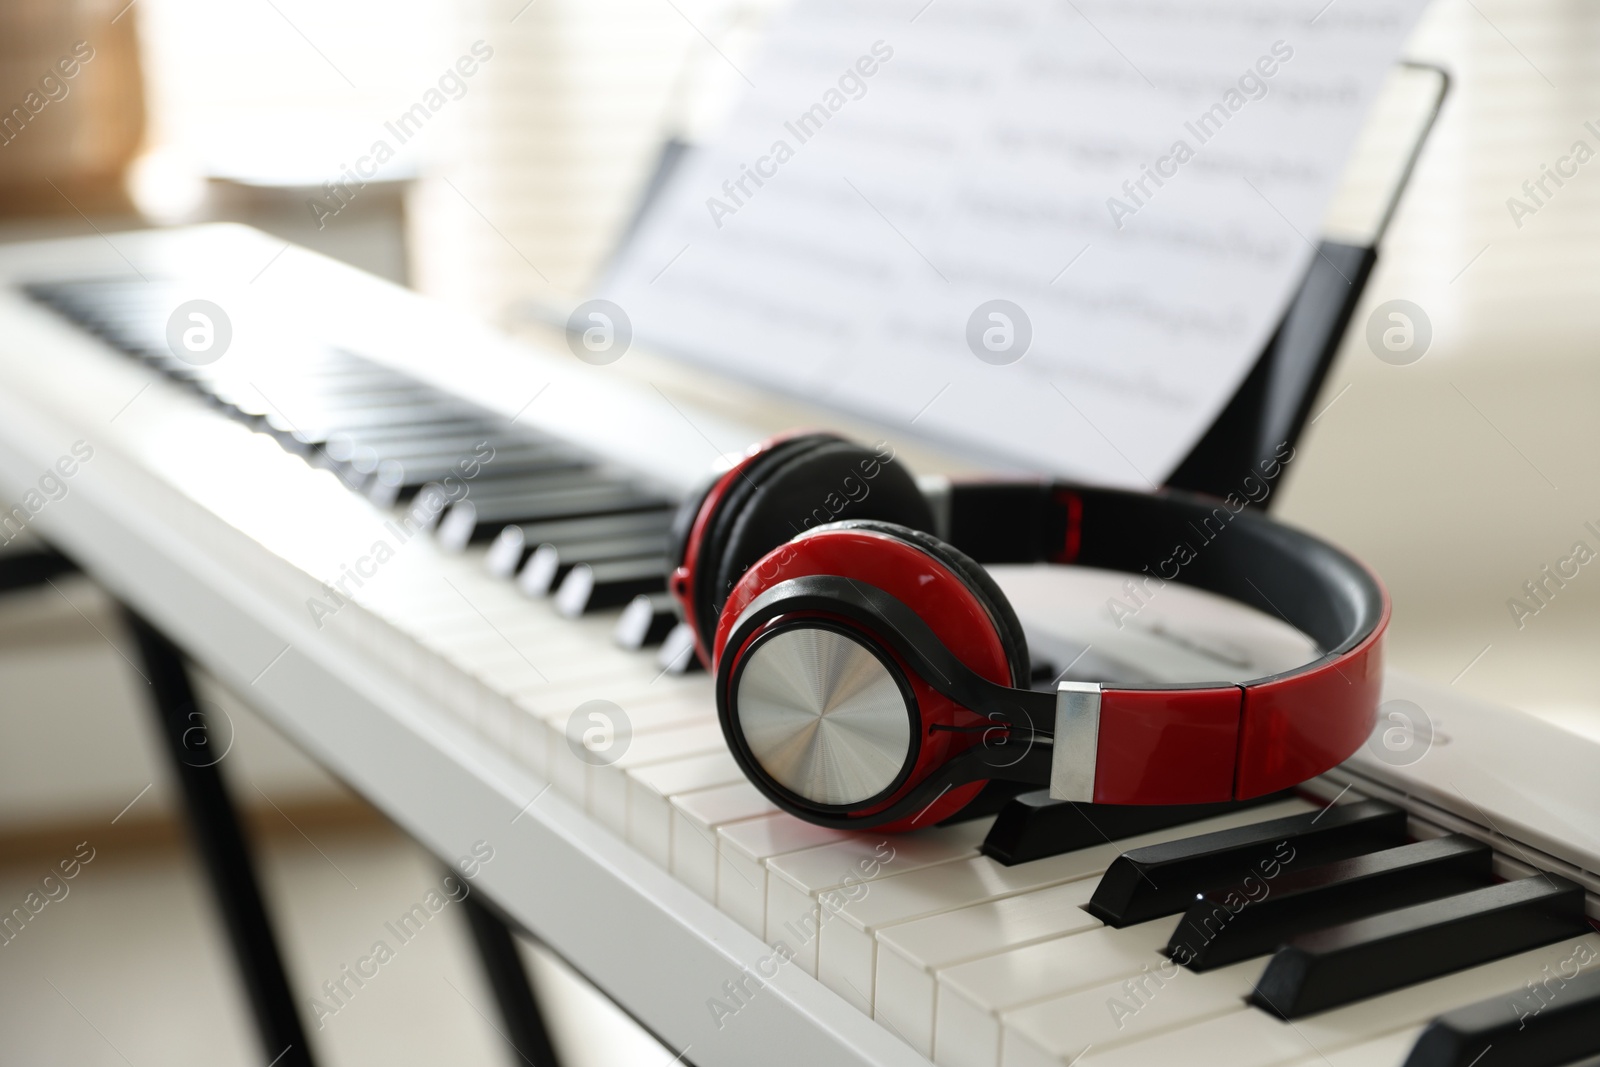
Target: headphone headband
1213	544
1177	744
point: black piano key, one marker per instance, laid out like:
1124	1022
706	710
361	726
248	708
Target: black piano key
646	621
480	508
422	511
414	456
1228	925
508	552
318	411
1164	879
1339	964
495	495
515	543
320	426
478	518
398	480
327	415
1031	826
523	460
399	440
506	488
550	563
306	372
676	654
1553	1021
597	586
320	379
304	400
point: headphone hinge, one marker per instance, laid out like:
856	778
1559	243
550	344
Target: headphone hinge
1076	742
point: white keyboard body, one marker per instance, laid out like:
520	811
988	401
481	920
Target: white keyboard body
441	695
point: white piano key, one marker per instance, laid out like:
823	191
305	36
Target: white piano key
797	883
606	790
620	689
669	743
496	717
574	777
550	662
533	631
512	674
695	818
649	790
530	740
1250	1037
1390	1050
910	954
846	951
847	947
606	795
1161	996
693	736
743	849
971	995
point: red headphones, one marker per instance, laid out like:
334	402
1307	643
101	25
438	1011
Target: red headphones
871	675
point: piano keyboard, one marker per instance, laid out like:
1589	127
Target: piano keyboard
1283	934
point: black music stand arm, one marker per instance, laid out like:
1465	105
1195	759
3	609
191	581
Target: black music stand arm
1272	405
1262	422
220	841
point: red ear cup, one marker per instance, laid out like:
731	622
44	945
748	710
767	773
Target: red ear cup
822	714
978	580
782	488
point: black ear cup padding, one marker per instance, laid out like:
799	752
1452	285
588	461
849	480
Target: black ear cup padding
683	519
796	489
977	579
718	525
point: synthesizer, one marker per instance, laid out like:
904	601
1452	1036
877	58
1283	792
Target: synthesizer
435	559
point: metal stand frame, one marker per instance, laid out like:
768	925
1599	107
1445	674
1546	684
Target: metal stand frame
222	848
225	856
513	990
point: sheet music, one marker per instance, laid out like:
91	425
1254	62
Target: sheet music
1138	183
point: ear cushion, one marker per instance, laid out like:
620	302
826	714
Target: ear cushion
797	486
750	475
977	579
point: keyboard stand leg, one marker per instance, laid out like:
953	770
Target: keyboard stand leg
223	853
513	992
24	570
226	858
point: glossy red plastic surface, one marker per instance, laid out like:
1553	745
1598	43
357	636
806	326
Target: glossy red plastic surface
1167	746
1196	746
1296	727
927	587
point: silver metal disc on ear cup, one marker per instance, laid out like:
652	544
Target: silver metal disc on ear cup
823	715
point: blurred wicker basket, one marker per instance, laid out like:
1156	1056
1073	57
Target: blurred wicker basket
71	106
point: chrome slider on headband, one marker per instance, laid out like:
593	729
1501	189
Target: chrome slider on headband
1076	742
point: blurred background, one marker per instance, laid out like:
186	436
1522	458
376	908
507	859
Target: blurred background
1458	477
